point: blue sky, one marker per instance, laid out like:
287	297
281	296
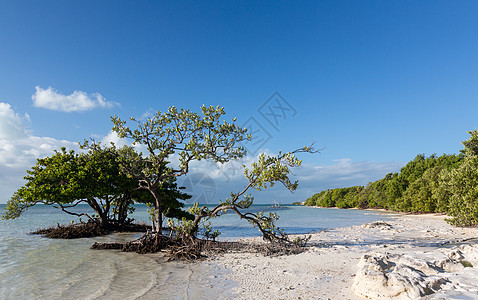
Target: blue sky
374	82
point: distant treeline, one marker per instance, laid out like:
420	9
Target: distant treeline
446	183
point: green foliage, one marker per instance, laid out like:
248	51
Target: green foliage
420	196
463	187
422	185
187	228
442	192
67	179
189	135
172	196
341	197
310	201
262	174
471	145
398	183
268	170
182	228
301	241
208	232
186	133
267	226
374	194
460	186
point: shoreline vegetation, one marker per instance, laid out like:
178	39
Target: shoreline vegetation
445	184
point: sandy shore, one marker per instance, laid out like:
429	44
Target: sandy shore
409	257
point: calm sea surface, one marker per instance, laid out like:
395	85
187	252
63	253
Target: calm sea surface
34	267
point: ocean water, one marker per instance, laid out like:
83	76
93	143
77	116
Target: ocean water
34	267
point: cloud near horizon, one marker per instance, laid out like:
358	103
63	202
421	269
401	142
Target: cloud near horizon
77	101
19	149
343	173
11	124
229	177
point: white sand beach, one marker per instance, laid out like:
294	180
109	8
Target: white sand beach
408	257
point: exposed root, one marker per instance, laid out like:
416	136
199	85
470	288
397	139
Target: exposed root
148	243
194	249
105	246
89	229
73	231
185	252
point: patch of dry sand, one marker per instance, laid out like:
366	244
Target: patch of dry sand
328	268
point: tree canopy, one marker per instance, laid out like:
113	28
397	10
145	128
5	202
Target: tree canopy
186	135
446	183
459	186
67	179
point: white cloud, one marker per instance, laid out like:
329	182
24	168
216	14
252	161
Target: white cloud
17	156
232	170
77	101
345	169
312	178
147	114
19	150
343	173
12	125
112	137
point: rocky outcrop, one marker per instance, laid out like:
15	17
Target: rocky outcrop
409	276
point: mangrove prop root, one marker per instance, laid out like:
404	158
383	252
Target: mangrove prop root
194	249
104	246
89	229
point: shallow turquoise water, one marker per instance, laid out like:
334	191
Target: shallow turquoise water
34	267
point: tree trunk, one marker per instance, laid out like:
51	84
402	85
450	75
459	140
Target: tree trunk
98	209
159	213
159	218
122	209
